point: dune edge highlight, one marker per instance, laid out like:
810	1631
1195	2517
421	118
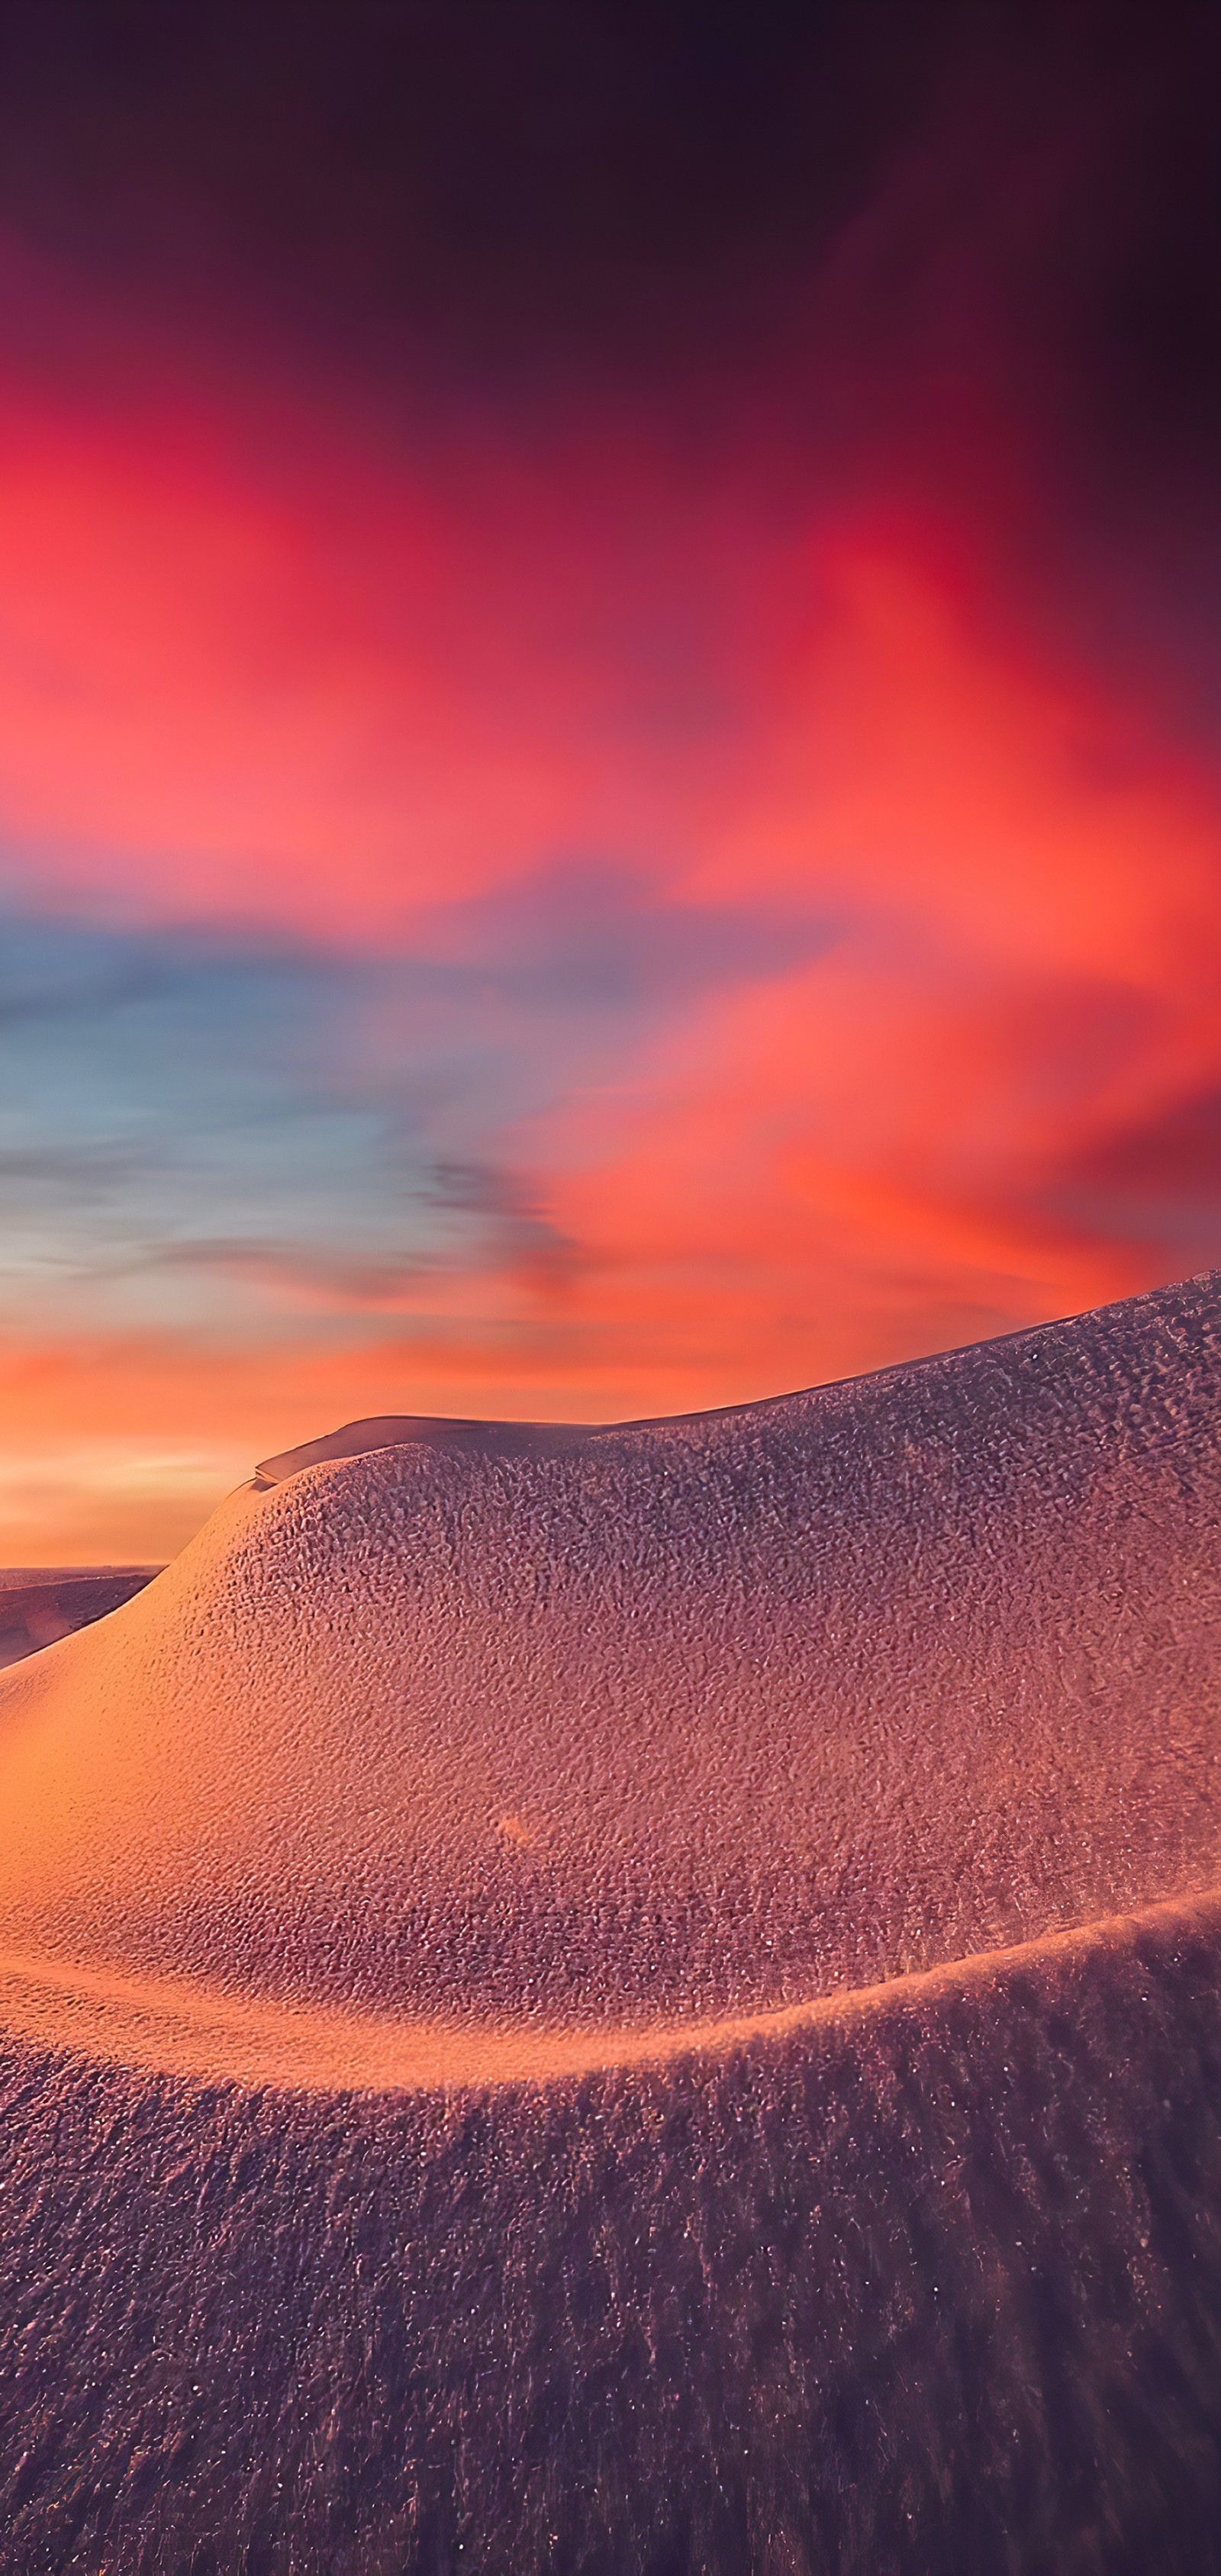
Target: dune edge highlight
161	2027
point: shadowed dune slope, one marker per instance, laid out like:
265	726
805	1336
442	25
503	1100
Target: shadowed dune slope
695	1718
929	2290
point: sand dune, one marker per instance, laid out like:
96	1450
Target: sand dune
639	1997
694	1718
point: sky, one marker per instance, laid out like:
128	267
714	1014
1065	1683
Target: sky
610	768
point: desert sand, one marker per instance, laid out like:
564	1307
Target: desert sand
638	1998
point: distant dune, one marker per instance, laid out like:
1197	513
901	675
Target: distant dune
639	1998
40	1603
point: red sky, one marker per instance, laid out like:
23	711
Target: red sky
732	840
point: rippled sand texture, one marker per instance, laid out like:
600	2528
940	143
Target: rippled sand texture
404	2164
936	2291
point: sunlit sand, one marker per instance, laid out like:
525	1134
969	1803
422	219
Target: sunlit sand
683	1922
676	1722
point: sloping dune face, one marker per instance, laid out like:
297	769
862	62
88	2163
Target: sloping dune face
659	1723
465	2099
933	2292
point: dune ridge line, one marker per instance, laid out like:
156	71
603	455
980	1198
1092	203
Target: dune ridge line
169	2027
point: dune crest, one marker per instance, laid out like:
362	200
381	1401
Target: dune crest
448	1433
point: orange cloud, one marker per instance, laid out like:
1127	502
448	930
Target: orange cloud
817	1176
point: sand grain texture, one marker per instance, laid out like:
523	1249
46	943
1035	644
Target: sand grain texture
647	2002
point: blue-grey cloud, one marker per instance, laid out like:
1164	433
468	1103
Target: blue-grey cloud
596	939
194	1129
